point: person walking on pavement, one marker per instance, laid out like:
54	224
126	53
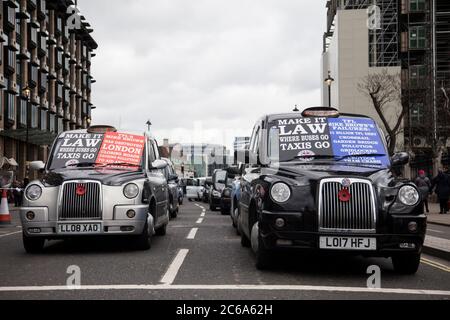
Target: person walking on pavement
441	183
424	184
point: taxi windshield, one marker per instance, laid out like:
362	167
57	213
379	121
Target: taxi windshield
111	150
344	140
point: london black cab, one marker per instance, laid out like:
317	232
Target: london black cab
320	180
97	182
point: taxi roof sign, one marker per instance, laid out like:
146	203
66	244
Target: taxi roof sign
320	112
101	129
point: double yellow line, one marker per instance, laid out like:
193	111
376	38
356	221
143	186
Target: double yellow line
435	264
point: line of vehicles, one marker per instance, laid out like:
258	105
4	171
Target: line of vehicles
316	181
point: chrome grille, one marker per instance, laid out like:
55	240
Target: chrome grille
80	207
356	215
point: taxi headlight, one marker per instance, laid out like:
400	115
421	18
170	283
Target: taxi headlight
280	192
408	195
131	191
34	192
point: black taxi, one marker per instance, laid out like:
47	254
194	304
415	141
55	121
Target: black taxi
321	180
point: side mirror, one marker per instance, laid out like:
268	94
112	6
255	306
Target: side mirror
159	164
37	165
400	159
173	177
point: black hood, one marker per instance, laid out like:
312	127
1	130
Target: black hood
105	176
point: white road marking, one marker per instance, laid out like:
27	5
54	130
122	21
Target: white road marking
192	233
174	267
203	214
433	230
167	286
200	220
10	234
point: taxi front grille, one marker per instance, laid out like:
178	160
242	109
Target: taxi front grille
84	205
357	215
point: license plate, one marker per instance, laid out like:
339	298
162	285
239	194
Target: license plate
79	228
348	243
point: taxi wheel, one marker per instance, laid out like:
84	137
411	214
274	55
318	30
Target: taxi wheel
263	258
161	231
406	263
144	240
33	245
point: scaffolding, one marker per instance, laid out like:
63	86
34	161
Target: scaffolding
383	40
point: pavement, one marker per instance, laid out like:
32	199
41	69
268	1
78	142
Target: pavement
200	257
437	241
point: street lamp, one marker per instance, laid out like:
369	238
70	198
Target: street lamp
329	81
296	109
148	123
27	93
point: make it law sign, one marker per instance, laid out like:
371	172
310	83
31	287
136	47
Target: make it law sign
73	149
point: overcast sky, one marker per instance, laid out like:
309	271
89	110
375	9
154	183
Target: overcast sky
203	70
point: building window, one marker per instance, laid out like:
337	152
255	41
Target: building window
43	43
10	107
417	76
417	5
23	112
33	37
11	16
43	125
51	122
416	114
34	116
417	37
60	125
34	74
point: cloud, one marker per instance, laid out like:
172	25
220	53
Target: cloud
218	63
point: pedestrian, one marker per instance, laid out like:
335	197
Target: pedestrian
424	185
441	184
17	193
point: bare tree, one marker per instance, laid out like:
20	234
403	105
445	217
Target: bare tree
384	90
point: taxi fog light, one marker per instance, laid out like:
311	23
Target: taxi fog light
407	245
131	214
34	230
30	215
283	242
279	222
126	228
412	226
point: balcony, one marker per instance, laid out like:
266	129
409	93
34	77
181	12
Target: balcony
12	3
24	54
12	88
22	15
3	36
2	81
13	45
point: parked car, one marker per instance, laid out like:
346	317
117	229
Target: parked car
173	185
220	194
235	198
322	181
193	189
97	182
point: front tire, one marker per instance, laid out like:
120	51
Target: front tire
263	257
144	240
33	245
406	263
161	231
